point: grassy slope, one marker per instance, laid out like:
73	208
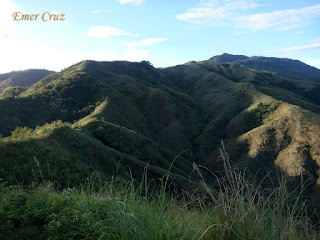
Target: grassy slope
58	153
152	115
261	130
121	210
132	115
22	78
281	66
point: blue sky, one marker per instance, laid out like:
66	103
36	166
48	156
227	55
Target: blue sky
165	32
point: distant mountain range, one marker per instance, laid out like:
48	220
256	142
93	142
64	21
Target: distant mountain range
129	115
282	66
22	78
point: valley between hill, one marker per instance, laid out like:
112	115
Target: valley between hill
109	117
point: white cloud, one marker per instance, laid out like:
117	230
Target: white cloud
6	11
96	11
17	48
239	33
99	11
213	12
311	61
6	23
146	42
316	40
231	12
136	55
22	53
279	20
297	48
135	2
105	32
128	55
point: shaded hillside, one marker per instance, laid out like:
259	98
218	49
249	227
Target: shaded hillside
95	106
283	66
22	78
225	58
238	103
134	114
67	156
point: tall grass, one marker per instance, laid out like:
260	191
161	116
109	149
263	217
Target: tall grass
134	210
246	210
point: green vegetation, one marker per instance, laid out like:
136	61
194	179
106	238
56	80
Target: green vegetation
12	92
117	119
282	66
131	210
22	78
123	113
58	153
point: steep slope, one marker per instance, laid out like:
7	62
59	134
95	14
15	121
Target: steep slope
116	123
22	78
263	123
227	58
68	156
141	114
283	66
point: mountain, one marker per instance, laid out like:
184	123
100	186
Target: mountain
97	141
22	78
128	115
283	66
228	58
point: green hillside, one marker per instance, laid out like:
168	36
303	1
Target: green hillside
153	137
282	66
22	78
128	115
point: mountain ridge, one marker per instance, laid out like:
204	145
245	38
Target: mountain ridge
24	78
135	115
294	69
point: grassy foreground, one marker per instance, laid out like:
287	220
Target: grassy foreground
129	210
